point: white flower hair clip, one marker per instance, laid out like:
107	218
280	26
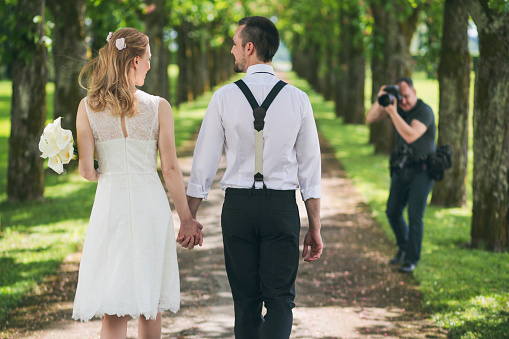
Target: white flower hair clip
110	34
120	43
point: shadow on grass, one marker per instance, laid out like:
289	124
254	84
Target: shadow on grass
23	215
17	275
495	327
15	271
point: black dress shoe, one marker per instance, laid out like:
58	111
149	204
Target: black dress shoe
407	268
399	258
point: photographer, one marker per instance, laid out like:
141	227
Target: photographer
414	122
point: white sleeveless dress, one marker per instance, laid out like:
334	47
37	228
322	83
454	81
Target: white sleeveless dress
129	262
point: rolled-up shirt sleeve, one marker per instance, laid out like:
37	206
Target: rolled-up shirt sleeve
208	150
308	155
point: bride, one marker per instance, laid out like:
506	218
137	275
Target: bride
129	263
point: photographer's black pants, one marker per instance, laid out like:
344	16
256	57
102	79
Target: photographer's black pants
409	186
261	248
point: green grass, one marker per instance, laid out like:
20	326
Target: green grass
465	290
37	236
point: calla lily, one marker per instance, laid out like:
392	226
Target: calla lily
66	154
57	144
64	138
48	149
56	164
52	130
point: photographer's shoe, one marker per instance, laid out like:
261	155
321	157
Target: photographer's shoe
407	268
399	258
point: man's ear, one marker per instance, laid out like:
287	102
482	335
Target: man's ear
250	48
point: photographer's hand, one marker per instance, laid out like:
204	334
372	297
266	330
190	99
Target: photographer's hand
409	133
377	112
392	109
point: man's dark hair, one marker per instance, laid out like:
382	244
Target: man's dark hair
409	81
263	34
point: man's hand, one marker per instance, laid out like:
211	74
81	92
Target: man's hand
381	91
190	234
313	239
392	109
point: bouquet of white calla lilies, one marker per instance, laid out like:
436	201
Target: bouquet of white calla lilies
57	144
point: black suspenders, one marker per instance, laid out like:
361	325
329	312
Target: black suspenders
259	112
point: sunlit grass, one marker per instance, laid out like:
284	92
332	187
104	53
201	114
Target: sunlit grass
465	290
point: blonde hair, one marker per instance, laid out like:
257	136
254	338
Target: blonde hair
108	81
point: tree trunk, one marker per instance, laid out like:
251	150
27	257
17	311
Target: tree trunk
391	59
182	60
354	108
199	64
192	71
212	65
313	66
157	82
228	62
342	69
454	79
327	84
69	56
490	217
25	174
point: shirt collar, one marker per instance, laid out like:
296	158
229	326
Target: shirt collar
260	68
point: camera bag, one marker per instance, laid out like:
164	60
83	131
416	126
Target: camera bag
439	161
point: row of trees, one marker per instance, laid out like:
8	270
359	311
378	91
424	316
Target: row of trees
330	42
69	33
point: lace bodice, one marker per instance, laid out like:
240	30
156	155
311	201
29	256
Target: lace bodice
137	152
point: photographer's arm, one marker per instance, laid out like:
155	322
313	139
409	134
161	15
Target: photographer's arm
409	133
376	112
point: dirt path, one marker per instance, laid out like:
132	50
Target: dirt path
350	293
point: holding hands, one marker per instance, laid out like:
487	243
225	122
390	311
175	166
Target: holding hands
190	234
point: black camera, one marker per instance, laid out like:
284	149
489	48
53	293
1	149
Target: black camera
392	93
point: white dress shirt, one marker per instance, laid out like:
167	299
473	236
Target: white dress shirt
291	151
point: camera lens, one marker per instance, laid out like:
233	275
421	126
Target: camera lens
386	99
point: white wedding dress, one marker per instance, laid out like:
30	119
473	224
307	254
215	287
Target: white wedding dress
129	262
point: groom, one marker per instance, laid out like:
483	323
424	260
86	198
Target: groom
260	220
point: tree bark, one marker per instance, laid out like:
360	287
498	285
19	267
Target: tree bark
342	70
454	80
212	65
327	71
69	56
182	60
157	81
355	71
490	216
25	175
199	69
391	59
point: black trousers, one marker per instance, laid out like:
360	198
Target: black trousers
261	248
409	187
